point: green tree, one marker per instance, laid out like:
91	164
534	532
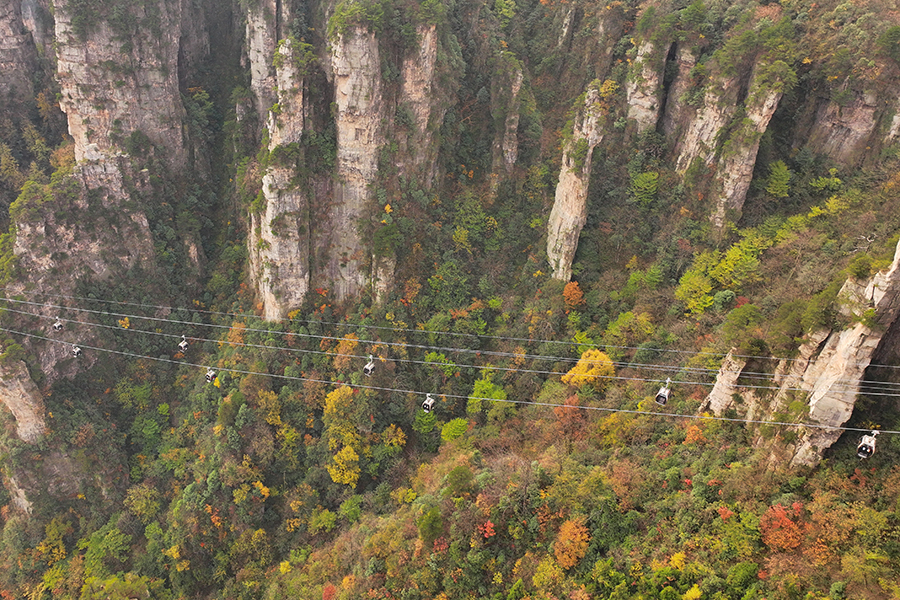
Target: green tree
778	183
454	429
644	187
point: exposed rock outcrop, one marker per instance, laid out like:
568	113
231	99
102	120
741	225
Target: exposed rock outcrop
20	395
699	140
828	369
644	87
110	88
280	237
506	102
356	68
738	158
844	132
677	106
421	98
18	58
262	37
569	212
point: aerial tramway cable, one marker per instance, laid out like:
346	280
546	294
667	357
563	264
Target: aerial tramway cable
395	329
664	368
456	396
857	388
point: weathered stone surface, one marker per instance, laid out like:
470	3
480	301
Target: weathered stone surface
279	245
699	141
356	67
735	169
569	212
677	108
506	101
56	244
262	39
37	17
109	90
721	397
419	94
18	57
644	86
828	369
17	495
844	132
20	395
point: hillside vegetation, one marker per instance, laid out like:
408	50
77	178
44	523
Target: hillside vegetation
546	470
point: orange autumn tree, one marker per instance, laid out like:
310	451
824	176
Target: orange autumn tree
571	543
783	527
572	295
593	368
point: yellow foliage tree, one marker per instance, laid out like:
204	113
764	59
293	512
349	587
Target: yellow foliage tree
572	543
593	368
346	350
346	466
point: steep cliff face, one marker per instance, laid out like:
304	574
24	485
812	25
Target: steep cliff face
421	97
280	238
828	370
844	132
18	58
506	102
110	88
20	395
699	139
644	88
77	228
735	168
569	212
262	35
677	107
359	111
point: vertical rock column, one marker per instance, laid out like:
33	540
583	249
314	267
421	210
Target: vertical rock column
262	38
506	102
420	96
569	212
356	66
699	141
279	240
738	160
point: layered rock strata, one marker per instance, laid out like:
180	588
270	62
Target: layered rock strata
280	238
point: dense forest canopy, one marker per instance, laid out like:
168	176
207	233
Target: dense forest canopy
532	212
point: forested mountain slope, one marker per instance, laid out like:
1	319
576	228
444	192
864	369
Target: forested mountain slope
533	213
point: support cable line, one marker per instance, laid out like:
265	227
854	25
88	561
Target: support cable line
853	385
457	396
384	328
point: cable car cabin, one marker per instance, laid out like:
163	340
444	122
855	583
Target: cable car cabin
662	396
370	366
210	376
58	326
182	345
866	446
428	404
76	352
